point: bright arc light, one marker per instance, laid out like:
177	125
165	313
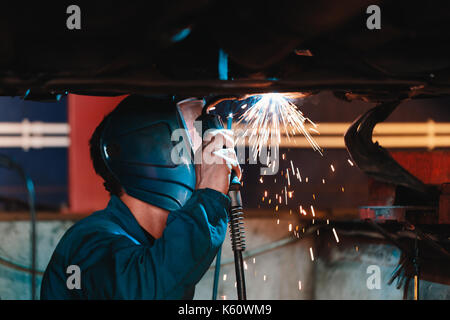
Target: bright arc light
271	114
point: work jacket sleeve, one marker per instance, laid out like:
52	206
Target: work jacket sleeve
127	269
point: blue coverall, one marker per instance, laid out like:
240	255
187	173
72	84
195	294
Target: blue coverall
119	260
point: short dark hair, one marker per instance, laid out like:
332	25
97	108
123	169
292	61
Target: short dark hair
111	184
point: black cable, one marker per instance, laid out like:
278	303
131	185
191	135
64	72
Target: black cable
13	265
424	237
8	163
217	274
388	237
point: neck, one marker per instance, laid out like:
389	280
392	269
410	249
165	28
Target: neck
151	218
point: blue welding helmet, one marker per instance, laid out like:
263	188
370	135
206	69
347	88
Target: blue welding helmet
137	147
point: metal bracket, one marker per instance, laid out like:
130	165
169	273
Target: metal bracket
373	159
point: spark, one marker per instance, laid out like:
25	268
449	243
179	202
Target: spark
306	179
271	114
335	235
299	177
265	193
261	180
288	178
302	211
285	194
342	189
254	260
292	166
312	254
323	181
225	277
278	221
299	285
332	168
290	227
350	162
312	211
265	277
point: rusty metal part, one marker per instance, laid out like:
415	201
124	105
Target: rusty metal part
393	213
370	157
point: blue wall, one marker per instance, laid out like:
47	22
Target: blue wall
47	167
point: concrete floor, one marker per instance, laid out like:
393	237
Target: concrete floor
339	271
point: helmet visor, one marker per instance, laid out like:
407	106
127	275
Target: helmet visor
189	110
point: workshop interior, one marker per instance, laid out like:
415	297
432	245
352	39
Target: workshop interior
354	202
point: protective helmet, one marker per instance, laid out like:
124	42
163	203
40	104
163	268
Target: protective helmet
136	147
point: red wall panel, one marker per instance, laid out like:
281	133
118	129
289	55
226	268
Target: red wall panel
431	167
86	191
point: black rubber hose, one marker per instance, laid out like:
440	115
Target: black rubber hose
237	237
8	163
217	274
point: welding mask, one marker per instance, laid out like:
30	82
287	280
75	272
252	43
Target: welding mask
137	147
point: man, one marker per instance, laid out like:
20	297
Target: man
164	222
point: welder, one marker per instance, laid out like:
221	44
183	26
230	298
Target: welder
165	221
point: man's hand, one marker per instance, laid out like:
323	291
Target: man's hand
218	162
